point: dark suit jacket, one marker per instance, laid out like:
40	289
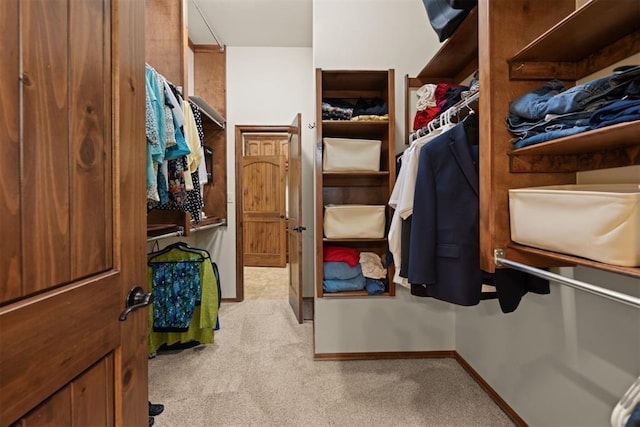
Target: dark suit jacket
444	248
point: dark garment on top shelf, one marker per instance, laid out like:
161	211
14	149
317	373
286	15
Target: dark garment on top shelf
452	96
443	18
332	112
463	4
375	107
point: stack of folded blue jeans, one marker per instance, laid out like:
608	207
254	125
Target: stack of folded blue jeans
550	112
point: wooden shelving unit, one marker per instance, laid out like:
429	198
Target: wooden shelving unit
517	44
166	50
355	187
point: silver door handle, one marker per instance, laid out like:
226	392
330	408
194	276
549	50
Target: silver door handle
135	300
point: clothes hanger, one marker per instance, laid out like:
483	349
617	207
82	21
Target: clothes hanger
181	246
184	245
626	405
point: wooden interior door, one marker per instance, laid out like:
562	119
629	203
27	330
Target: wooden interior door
294	210
264	221
72	203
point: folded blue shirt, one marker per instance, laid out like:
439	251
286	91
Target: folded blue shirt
343	285
340	270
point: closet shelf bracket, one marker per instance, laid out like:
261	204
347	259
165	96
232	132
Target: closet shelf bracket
501	261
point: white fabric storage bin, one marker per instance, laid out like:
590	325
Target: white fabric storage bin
354	221
351	154
598	222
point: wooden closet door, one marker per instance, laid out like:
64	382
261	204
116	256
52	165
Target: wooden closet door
72	208
264	222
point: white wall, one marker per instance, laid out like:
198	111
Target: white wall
563	359
374	35
559	359
267	86
378	35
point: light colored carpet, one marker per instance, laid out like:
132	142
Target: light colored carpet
266	282
260	372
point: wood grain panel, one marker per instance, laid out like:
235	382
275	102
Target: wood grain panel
264	243
91	148
22	340
263	184
209	82
10	209
92	395
210	76
54	412
131	372
166	40
86	401
263	181
45	176
502	32
215	192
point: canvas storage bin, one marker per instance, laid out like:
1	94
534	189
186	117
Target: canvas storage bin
354	221
598	222
349	154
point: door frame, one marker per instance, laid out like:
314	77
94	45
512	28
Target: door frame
240	130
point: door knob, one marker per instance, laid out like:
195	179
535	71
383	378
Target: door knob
135	300
299	229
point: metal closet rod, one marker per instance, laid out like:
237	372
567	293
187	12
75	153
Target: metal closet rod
177	233
206	22
576	284
180	231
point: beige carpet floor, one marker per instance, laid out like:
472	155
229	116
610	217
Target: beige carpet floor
266	282
260	372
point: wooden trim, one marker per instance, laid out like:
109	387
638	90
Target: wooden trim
239	209
240	130
442	354
206	47
190	44
490	391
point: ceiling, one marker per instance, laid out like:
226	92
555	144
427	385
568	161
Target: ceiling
275	23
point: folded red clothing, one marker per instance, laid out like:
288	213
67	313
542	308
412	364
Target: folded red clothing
341	253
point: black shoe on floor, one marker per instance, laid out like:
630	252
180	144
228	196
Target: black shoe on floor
151	421
155	409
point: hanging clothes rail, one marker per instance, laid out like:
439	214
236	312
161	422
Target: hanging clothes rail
500	260
208	226
206	22
446	116
177	233
463	103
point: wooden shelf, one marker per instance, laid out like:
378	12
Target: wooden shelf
348	128
563	259
354	294
354	179
457	58
612	146
354	186
354	241
593	37
208	112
